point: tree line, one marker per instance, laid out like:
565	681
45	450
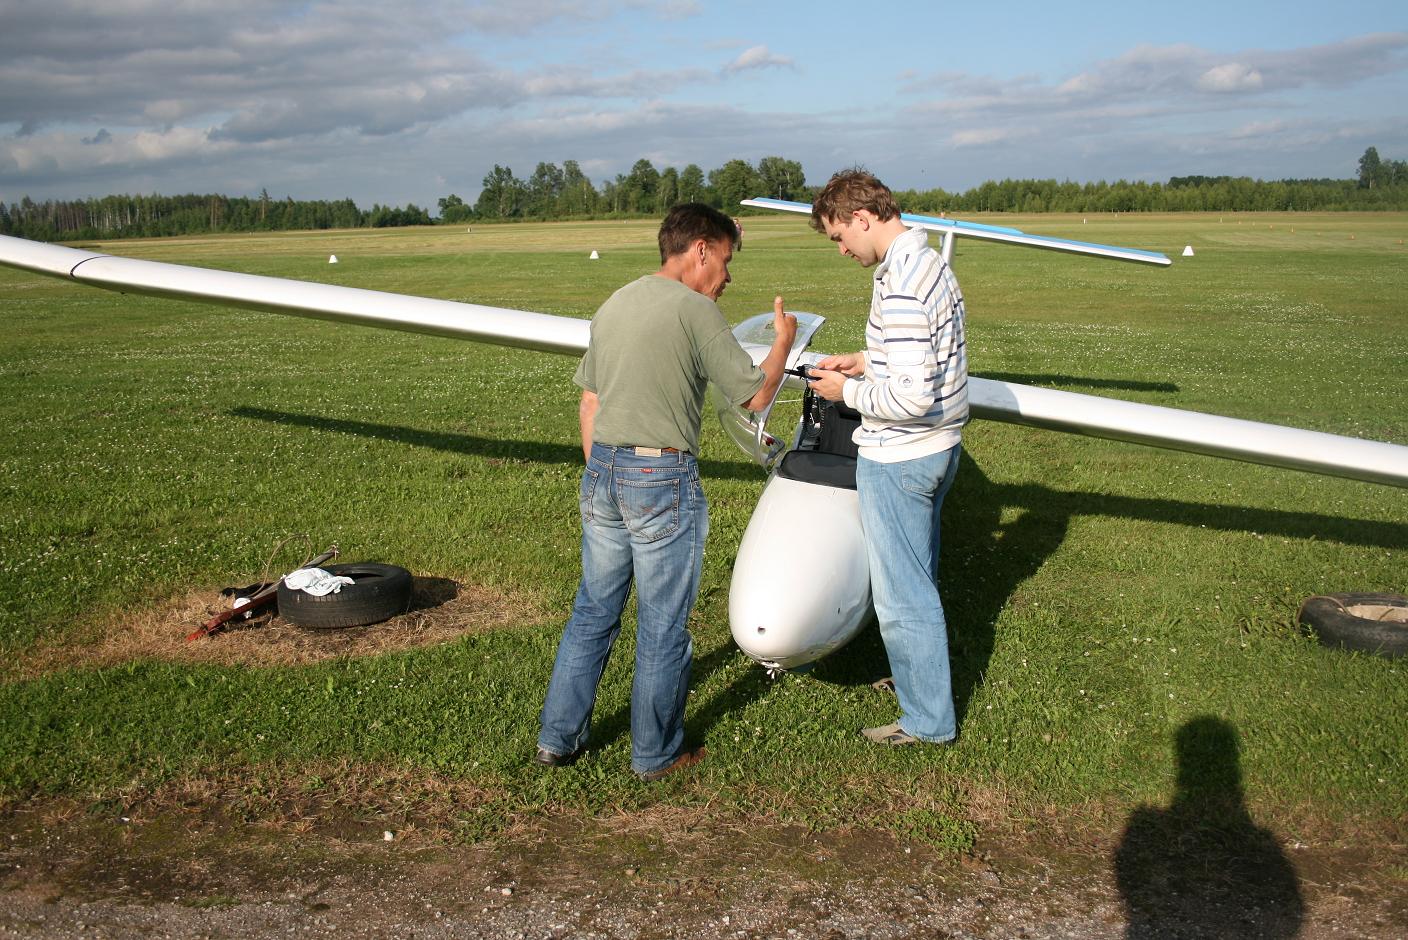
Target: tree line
552	192
1179	194
157	216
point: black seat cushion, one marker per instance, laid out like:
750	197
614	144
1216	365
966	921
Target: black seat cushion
810	466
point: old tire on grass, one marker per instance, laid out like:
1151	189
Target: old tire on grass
1371	623
378	592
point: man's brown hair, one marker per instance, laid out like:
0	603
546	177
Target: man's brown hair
849	191
688	222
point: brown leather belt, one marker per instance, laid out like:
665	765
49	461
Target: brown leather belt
654	451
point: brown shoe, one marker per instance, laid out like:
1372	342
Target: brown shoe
687	758
546	758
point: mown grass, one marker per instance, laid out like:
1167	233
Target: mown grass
1100	595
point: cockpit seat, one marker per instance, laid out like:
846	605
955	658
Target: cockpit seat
812	466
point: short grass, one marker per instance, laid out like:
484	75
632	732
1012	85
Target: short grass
1101	596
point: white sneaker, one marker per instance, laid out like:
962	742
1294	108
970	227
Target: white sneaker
889	734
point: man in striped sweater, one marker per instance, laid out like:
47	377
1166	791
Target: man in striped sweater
910	386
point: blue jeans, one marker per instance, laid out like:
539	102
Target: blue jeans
644	518
899	511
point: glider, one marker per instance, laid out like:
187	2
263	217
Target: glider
781	614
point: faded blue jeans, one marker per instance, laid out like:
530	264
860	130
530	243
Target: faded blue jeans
643	518
899	511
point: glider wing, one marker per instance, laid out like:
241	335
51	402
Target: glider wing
1051	409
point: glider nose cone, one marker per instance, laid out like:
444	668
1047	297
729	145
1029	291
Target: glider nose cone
793	601
793	629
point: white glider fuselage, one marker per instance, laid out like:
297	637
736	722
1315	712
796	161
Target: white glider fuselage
786	607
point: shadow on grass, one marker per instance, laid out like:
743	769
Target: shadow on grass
752	685
453	443
1202	867
1008	555
1076	381
984	561
974	499
996	557
1369	533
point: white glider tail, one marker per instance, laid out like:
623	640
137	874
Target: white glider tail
993	233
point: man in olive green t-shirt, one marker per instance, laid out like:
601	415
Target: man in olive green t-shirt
655	345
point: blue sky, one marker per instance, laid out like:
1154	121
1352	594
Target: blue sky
397	103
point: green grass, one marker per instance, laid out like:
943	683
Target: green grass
1100	595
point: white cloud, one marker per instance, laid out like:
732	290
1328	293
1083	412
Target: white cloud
1163	99
1184	69
1234	76
67	153
585	83
757	57
1259	130
524	17
988	136
379	101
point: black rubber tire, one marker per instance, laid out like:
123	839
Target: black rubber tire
378	592
1333	626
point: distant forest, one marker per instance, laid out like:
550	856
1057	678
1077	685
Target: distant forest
564	192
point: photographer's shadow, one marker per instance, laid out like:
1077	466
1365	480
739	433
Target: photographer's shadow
1202	867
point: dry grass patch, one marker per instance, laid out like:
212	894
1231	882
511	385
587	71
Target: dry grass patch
441	610
343	799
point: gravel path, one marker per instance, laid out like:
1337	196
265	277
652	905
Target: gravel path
174	877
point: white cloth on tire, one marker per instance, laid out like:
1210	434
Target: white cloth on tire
316	581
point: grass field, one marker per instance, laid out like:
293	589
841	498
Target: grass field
1101	596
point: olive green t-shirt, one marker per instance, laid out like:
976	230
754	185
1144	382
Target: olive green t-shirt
655	346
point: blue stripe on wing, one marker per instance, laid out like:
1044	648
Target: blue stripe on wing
979	230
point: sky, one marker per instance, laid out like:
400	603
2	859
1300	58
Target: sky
396	103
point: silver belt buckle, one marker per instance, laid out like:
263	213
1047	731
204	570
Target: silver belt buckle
648	452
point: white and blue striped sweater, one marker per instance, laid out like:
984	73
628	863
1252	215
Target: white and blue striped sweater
913	398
